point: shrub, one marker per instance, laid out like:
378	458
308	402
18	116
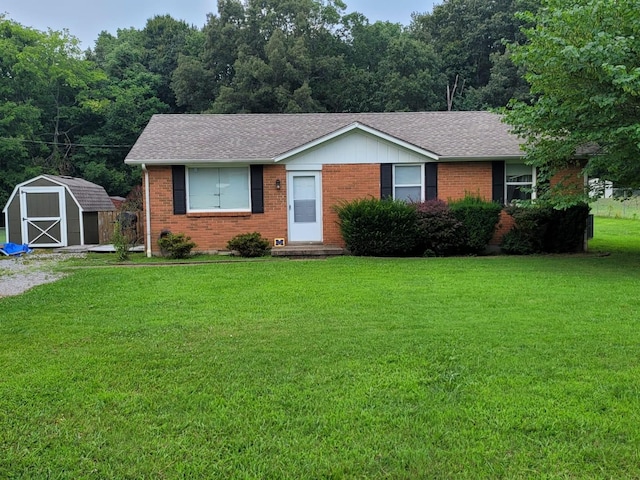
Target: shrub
374	227
439	231
121	243
540	228
249	245
479	219
175	245
565	232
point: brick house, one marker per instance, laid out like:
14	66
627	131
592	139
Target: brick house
216	176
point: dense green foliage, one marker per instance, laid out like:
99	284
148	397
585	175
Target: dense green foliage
479	219
65	111
440	233
540	228
380	228
582	62
393	228
469	368
249	245
176	245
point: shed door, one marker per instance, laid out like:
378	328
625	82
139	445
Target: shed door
43	216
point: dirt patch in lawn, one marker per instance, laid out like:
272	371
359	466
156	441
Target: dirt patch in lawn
19	274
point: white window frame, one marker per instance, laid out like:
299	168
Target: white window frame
421	184
216	167
507	183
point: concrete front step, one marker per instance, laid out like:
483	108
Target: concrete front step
307	251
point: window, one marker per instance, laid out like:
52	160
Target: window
218	189
520	180
408	183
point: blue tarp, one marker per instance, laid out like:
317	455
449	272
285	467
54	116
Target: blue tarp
14	249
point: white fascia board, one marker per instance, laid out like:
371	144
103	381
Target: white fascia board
200	161
349	128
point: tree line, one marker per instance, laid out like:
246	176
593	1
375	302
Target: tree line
73	112
68	111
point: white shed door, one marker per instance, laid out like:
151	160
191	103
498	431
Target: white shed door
305	207
43	216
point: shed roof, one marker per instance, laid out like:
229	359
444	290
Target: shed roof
90	196
266	137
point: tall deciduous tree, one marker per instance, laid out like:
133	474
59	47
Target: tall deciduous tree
45	87
470	36
583	64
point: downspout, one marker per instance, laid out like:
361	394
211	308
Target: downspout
147	211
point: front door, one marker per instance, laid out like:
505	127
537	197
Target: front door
305	206
43	216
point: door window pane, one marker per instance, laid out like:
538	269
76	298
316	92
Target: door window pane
304	199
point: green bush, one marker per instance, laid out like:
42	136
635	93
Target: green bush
565	233
540	228
381	228
440	233
175	245
479	219
120	242
249	245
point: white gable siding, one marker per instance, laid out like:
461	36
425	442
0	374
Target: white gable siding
355	147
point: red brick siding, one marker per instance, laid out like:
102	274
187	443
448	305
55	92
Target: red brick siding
456	179
212	231
339	183
345	183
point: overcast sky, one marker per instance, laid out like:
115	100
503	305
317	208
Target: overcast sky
85	19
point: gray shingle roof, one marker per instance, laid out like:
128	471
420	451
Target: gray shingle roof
91	197
266	136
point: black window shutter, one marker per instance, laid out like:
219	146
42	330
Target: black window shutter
498	181
386	180
257	189
179	190
431	181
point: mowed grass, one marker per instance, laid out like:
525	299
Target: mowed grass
488	367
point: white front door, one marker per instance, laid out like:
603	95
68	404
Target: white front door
305	206
43	216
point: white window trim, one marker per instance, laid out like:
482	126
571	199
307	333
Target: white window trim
534	182
421	184
214	210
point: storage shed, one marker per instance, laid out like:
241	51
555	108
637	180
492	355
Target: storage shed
55	211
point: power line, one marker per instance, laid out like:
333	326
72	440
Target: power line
39	142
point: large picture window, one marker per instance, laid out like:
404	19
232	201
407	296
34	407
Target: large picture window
520	181
408	183
218	189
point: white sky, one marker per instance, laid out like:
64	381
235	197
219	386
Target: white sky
85	19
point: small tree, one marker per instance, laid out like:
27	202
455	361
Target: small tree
121	242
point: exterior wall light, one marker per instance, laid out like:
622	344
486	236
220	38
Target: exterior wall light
278	184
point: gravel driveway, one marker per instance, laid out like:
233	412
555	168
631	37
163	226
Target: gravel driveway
19	274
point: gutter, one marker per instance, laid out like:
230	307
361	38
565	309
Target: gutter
147	211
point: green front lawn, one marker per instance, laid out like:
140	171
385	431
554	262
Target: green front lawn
483	367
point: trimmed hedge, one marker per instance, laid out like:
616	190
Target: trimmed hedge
381	228
479	218
249	245
175	245
540	228
440	233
